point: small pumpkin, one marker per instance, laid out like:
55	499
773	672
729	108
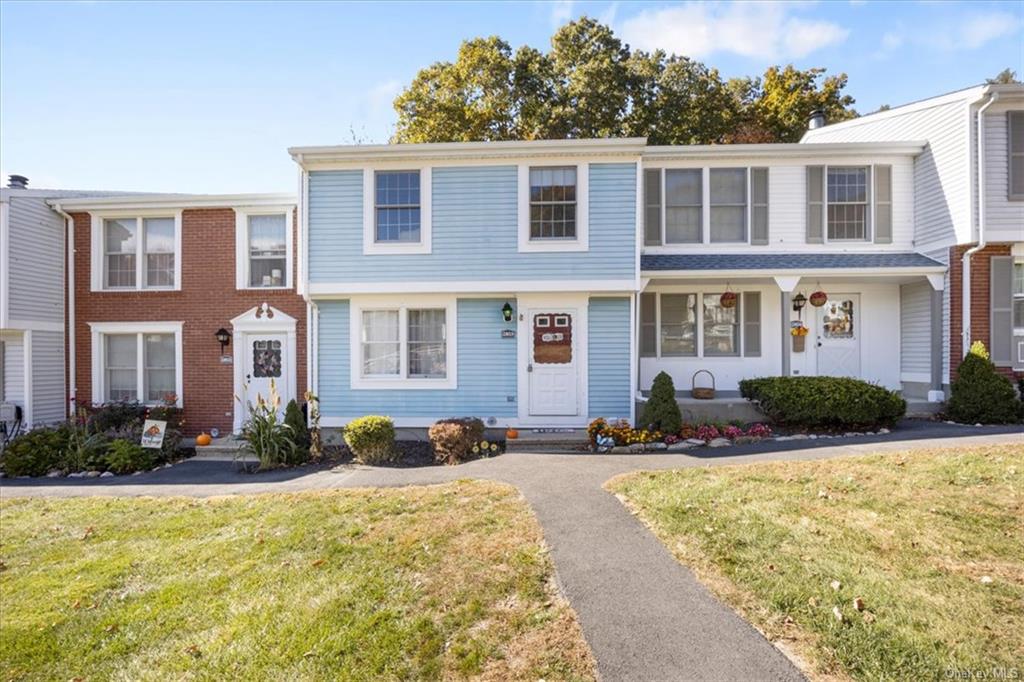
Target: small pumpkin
818	299
511	434
203	439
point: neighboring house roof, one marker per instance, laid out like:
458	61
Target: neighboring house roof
785	261
146	201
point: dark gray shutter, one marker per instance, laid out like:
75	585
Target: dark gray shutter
1015	152
652	207
1001	306
759	206
752	324
883	204
815	204
648	325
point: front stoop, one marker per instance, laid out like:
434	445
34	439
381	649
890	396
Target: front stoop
224	449
548	440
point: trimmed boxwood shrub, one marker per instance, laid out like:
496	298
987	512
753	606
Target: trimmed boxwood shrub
979	394
661	411
296	421
35	453
453	439
824	402
371	439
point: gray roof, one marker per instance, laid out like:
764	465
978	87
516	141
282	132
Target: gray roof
785	261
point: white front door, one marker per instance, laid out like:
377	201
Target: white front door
838	336
553	361
266	360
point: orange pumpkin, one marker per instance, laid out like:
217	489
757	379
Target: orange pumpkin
511	434
203	439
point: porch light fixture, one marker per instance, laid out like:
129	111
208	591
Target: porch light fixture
799	301
224	337
506	312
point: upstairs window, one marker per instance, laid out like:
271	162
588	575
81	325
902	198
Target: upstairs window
684	203
139	253
397	204
847	196
268	250
553	203
728	204
1015	153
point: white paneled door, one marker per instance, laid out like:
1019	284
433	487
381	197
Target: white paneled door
553	363
838	336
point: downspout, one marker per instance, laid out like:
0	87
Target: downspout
72	405
312	312
965	287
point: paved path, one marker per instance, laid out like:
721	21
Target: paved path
645	616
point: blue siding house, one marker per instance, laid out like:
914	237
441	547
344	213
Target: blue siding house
545	283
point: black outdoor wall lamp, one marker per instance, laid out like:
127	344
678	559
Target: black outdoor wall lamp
224	337
506	312
799	301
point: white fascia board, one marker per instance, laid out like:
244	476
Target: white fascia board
169	201
782	150
310	156
803	273
321	289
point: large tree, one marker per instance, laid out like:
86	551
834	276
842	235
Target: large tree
590	84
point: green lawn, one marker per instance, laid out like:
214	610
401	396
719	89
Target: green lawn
422	583
932	542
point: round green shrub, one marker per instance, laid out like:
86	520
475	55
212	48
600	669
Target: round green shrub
980	395
661	411
371	439
36	452
824	402
125	457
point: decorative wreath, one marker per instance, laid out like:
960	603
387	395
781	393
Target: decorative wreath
818	299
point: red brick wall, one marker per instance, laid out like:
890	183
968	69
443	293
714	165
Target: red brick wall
207	301
980	301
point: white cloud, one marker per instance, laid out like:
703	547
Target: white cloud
969	32
983	28
561	12
382	95
764	30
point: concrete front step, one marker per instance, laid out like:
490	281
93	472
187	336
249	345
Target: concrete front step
226	448
547	440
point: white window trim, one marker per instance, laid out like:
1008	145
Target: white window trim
402	304
370	244
869	223
582	240
242	245
97	257
100	329
700	292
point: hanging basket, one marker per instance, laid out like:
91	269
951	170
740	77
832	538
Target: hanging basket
818	299
702	392
799	343
728	299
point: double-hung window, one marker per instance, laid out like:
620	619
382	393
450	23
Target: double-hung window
684	206
692	325
705	205
138	252
137	362
848	203
404	346
728	204
263	247
1015	155
397	206
1018	295
553	203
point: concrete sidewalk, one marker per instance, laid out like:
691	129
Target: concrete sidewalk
645	616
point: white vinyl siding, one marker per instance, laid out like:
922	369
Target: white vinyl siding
35	276
1004	210
915	331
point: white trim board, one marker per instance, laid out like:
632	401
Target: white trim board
323	289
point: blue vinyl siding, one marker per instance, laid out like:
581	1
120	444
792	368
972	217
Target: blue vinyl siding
608	346
475	230
486	366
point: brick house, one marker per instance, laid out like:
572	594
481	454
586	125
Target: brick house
156	277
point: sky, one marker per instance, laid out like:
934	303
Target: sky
207	97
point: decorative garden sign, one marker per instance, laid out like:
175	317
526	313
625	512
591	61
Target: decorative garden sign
153	433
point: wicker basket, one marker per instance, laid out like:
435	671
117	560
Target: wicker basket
702	392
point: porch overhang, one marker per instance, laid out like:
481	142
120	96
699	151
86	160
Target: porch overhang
803	265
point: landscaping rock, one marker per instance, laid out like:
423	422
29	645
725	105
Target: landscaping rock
637	447
799	436
681	445
657	446
783	438
694	441
93	474
55	473
620	450
77	474
106	474
884	431
719	443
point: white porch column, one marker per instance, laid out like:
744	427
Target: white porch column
786	286
935	392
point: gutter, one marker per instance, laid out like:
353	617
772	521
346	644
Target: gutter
72	405
965	290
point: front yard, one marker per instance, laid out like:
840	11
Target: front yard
419	583
897	566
